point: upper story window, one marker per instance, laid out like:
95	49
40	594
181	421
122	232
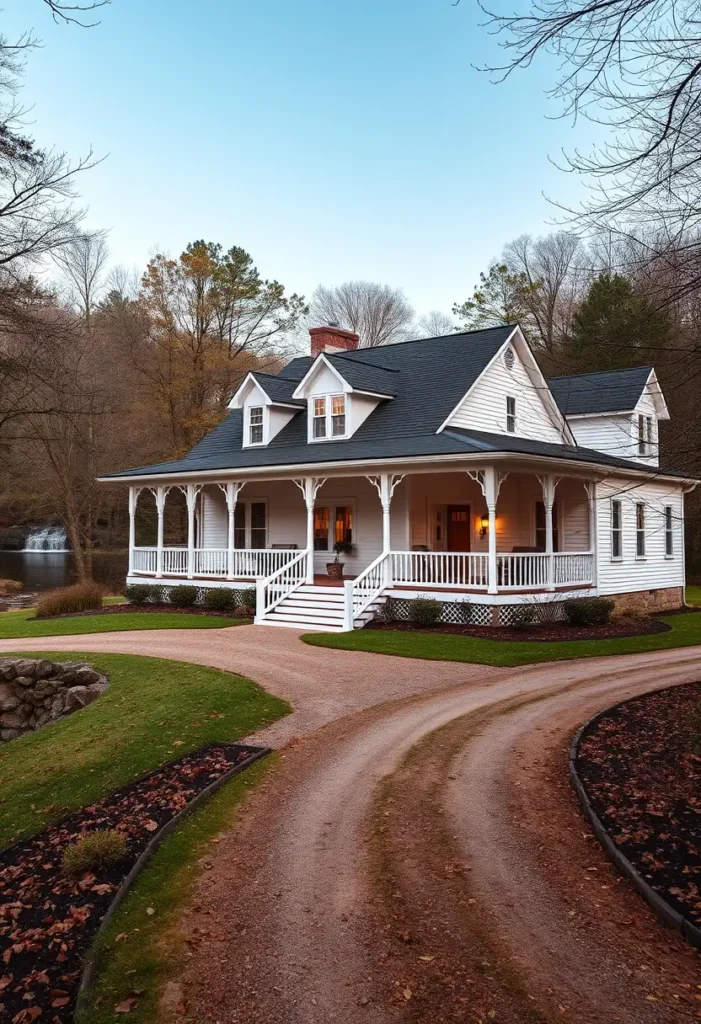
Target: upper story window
616	529
668	531
644	435
255	424
328	417
510	414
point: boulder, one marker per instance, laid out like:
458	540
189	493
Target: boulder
8	700
44	668
11	720
9	734
7	670
85	675
25	667
77	697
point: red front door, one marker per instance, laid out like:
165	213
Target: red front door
458	538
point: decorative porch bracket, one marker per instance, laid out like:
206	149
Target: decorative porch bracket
490	481
549	484
191	492
385	484
231	491
134	493
309	486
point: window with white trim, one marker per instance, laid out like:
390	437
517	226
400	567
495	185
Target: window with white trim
640	530
510	414
641	434
255	424
616	529
668	531
319	418
329	417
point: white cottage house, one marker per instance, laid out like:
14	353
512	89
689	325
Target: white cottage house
447	467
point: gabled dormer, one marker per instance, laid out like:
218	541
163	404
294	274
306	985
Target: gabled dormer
341	392
617	411
267	404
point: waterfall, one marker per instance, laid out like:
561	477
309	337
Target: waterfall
47	538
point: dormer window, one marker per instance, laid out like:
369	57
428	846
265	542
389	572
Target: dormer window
255	424
338	416
328	417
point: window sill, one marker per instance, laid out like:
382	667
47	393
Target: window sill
618	559
669	558
322	440
641	558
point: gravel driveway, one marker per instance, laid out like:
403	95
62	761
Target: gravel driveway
321	684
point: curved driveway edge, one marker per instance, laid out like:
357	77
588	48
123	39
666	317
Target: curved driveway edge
661	907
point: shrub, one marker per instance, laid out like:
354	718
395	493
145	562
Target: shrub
92	852
81	597
589	611
246	603
138	593
425	611
465	612
522	616
183	597
221	600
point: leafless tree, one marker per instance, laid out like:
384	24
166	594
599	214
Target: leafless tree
378	313
83	263
435	324
553	269
74	13
634	66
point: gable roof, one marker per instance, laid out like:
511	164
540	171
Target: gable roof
278	389
590	393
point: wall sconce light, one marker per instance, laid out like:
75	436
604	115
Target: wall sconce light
484	526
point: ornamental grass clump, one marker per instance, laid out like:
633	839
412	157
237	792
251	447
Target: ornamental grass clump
81	597
93	852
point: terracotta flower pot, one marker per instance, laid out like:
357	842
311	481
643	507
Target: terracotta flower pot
335	570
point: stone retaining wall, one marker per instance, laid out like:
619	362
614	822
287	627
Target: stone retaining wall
665	599
36	692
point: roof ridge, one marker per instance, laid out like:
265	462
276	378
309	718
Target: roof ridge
599	373
440	337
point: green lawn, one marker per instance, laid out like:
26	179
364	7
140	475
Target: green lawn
693	596
685	632
22	624
154	711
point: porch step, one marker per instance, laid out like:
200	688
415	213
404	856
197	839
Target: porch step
316	607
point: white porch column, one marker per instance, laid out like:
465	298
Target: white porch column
231	492
590	487
491	491
549	483
160	493
309	486
133	498
191	492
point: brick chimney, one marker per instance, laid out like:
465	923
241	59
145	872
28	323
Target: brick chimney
332	338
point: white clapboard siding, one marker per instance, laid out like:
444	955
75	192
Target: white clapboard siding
655	570
484	407
618	435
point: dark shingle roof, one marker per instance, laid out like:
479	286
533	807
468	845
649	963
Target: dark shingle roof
428	378
278	389
613	391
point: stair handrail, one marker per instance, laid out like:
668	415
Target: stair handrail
282	583
366	588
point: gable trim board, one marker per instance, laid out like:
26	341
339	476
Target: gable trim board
540	385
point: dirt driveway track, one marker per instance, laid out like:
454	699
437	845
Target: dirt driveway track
398	866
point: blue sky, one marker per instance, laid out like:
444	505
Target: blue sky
332	140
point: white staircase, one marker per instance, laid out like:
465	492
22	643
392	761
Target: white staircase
316	608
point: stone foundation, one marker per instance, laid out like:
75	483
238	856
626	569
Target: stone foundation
639	602
36	692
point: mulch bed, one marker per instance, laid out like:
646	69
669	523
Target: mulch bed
48	922
547	631
643	778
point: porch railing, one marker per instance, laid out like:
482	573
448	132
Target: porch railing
366	588
247	563
281	583
440	568
573	567
522	571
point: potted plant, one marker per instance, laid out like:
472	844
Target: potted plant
335	568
